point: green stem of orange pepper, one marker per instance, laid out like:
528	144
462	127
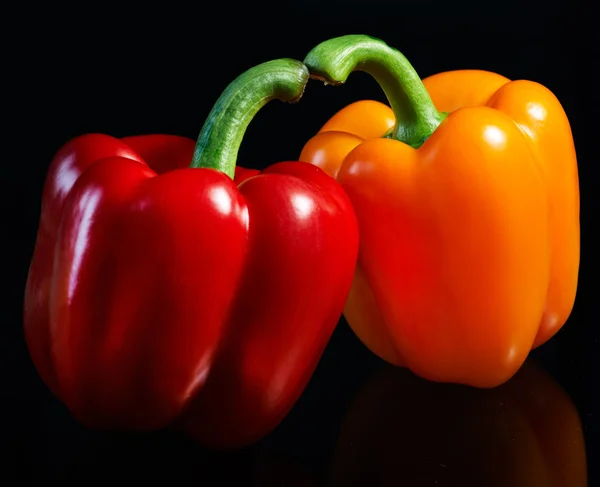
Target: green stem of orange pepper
416	116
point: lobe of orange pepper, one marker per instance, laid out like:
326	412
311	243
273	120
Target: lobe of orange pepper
469	252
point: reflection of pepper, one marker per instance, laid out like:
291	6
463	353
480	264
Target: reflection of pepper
153	295
402	430
469	221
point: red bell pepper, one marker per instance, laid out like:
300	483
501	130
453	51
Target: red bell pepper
160	291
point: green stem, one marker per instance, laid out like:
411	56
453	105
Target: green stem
221	136
416	116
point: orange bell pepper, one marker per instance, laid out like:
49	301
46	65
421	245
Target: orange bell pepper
524	433
467	195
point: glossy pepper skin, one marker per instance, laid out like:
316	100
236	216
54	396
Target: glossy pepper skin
162	292
525	433
468	216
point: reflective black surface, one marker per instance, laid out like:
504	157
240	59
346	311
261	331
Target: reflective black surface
377	425
359	422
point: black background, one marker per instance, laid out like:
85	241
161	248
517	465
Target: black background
159	69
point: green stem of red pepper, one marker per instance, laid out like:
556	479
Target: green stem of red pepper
220	138
416	116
